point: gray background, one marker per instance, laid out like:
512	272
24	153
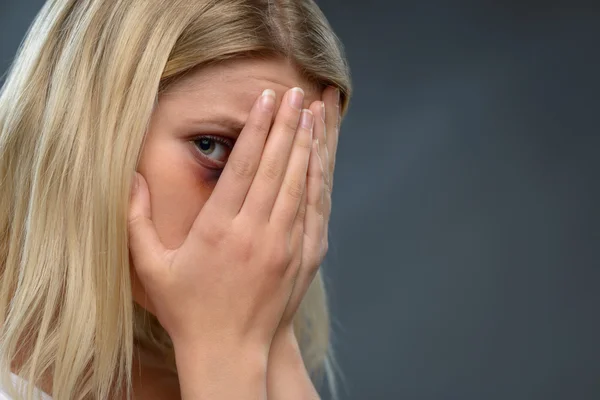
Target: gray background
465	243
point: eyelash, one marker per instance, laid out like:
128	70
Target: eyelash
219	139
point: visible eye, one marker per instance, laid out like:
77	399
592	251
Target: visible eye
214	148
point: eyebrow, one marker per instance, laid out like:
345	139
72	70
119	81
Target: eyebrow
230	123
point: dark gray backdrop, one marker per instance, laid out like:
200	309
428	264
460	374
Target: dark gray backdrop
465	243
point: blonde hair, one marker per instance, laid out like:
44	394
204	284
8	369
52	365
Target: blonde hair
74	111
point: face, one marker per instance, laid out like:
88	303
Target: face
192	132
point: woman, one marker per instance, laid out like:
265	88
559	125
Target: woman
196	276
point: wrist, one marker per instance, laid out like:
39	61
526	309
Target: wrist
221	353
284	343
221	370
287	375
285	352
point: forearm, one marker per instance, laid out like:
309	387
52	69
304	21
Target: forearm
287	377
221	373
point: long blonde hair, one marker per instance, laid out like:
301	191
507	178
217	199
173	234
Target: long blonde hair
74	111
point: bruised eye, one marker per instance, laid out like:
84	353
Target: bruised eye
215	149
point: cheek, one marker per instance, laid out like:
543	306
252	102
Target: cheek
179	188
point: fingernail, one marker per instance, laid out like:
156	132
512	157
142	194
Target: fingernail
135	184
337	95
267	100
324	121
307	120
323	110
296	98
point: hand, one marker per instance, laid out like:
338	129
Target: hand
231	279
316	205
287	375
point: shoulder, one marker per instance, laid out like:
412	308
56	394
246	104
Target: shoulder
3	395
21	386
3	392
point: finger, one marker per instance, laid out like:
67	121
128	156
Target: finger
300	215
144	243
275	159
291	191
325	244
314	219
331	98
298	230
297	238
318	109
296	242
240	170
321	134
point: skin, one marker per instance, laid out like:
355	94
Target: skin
174	172
182	197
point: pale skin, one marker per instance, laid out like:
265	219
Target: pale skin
225	243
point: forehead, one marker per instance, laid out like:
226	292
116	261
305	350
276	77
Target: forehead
233	86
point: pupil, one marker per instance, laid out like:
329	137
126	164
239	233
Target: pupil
205	144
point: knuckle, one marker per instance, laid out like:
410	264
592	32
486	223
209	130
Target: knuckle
295	188
272	169
320	214
257	124
279	258
241	168
304	142
301	214
212	233
291	122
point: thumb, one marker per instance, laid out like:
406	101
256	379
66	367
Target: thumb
144	244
